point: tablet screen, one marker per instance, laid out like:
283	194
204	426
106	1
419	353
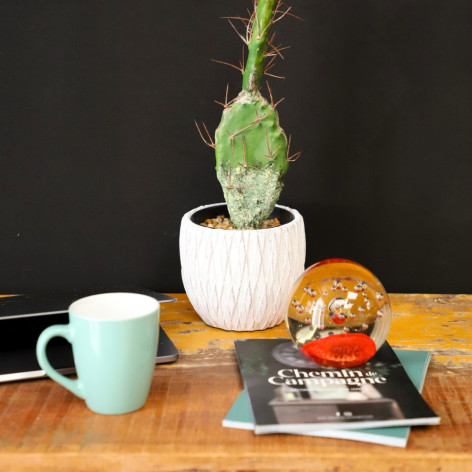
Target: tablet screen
18	337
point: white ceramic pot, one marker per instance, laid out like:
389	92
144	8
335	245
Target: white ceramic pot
240	280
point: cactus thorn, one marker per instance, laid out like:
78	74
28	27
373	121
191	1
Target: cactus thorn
232	141
276	50
280	101
246	165
269	66
255	122
229	186
295	156
263	32
272	104
286	12
241	61
226	104
210	140
245	39
244	152
271	155
241	69
274	76
270	93
240	18
280	4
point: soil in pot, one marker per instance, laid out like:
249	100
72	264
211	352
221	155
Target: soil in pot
223	222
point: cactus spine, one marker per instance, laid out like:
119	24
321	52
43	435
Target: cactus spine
251	148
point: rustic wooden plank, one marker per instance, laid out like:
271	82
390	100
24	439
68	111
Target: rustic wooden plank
441	324
44	427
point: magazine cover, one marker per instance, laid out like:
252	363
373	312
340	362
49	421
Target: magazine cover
290	393
415	364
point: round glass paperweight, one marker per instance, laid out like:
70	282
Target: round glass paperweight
339	313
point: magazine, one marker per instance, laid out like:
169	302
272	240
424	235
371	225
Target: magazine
290	393
415	364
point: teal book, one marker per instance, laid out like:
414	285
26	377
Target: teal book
415	363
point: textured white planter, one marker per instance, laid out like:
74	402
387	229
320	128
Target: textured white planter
240	280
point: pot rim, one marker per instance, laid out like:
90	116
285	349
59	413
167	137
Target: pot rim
188	217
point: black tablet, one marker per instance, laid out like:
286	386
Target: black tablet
24	317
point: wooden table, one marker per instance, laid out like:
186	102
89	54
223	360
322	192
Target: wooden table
44	427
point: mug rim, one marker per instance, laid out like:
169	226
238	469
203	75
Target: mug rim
99	307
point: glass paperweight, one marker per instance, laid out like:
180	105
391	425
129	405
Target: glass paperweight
339	313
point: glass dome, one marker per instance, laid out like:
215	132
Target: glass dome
339	313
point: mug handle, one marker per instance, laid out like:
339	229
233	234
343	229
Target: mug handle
63	331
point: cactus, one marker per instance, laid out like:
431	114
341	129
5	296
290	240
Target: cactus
252	150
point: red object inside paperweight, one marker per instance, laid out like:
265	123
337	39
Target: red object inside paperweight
338	314
340	350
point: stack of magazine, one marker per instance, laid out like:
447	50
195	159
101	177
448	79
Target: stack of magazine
285	392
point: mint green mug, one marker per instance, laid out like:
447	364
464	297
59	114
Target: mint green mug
114	340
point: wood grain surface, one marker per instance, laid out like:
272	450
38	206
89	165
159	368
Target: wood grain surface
46	428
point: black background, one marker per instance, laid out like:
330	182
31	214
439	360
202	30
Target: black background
100	156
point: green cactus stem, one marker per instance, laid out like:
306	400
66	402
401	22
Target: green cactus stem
250	146
262	20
